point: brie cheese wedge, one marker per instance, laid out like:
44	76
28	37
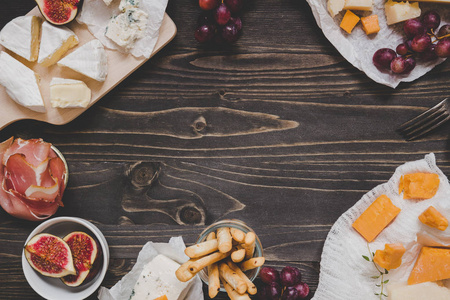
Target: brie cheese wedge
55	42
69	93
21	36
89	60
127	27
21	83
158	279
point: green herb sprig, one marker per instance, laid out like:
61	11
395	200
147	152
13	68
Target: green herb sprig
383	282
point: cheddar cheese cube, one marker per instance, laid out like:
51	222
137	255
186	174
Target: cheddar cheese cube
419	185
349	21
433	218
433	264
370	24
390	257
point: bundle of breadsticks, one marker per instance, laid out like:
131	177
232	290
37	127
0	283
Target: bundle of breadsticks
226	254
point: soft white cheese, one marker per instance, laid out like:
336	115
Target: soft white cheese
68	93
55	42
107	2
89	60
128	4
400	11
335	6
21	83
158	279
21	36
421	291
359	5
127	27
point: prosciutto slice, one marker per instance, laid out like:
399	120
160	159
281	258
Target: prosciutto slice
32	179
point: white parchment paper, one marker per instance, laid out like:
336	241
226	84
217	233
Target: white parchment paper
96	15
173	250
358	48
344	274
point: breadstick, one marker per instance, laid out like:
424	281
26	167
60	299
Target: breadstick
213	280
238	255
224	239
205	261
211	236
232	278
201	249
238	235
251	288
249	245
232	293
252	263
183	273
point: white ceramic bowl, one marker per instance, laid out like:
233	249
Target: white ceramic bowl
54	288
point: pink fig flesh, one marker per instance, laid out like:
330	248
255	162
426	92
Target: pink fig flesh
59	12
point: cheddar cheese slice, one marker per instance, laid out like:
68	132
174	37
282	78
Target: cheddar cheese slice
391	257
376	217
419	185
433	218
433	264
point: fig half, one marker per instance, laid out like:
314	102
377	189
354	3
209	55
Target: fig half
49	255
86	257
59	12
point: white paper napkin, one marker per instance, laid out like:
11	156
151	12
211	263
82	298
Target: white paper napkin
344	274
173	250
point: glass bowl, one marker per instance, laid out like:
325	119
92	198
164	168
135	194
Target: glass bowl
251	274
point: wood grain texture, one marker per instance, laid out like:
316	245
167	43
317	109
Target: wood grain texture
277	130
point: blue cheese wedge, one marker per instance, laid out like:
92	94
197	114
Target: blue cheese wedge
89	60
69	93
21	83
55	42
128	4
21	36
158	279
126	28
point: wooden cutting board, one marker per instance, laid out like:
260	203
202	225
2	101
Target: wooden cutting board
120	66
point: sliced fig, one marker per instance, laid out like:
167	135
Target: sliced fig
59	12
86	257
49	255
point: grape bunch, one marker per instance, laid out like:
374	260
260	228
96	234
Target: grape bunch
286	285
424	43
220	21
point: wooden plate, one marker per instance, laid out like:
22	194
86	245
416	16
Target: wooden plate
120	66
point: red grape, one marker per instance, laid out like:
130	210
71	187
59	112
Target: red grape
230	33
443	48
382	58
429	54
420	43
204	33
290	276
236	21
431	20
444	30
234	5
222	14
290	293
302	289
273	291
269	275
413	27
410	64
402	49
398	65
208	4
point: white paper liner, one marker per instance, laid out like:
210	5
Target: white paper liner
96	15
358	48
173	250
344	274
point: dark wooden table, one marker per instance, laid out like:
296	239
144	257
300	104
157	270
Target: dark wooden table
277	130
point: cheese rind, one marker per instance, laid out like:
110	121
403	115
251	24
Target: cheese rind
400	11
375	218
359	5
432	264
55	42
419	185
158	279
421	291
21	36
126	28
89	60
391	257
335	6
21	83
69	93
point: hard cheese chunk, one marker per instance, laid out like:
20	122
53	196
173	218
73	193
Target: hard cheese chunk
126	28
359	4
400	11
370	24
376	217
433	218
55	42
421	291
21	36
158	279
65	93
419	185
335	6
391	257
21	83
349	21
433	264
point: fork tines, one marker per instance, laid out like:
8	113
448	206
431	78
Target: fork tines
426	121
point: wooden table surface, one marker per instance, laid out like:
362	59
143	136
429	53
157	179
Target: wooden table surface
277	130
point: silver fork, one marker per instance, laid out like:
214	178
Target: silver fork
425	122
